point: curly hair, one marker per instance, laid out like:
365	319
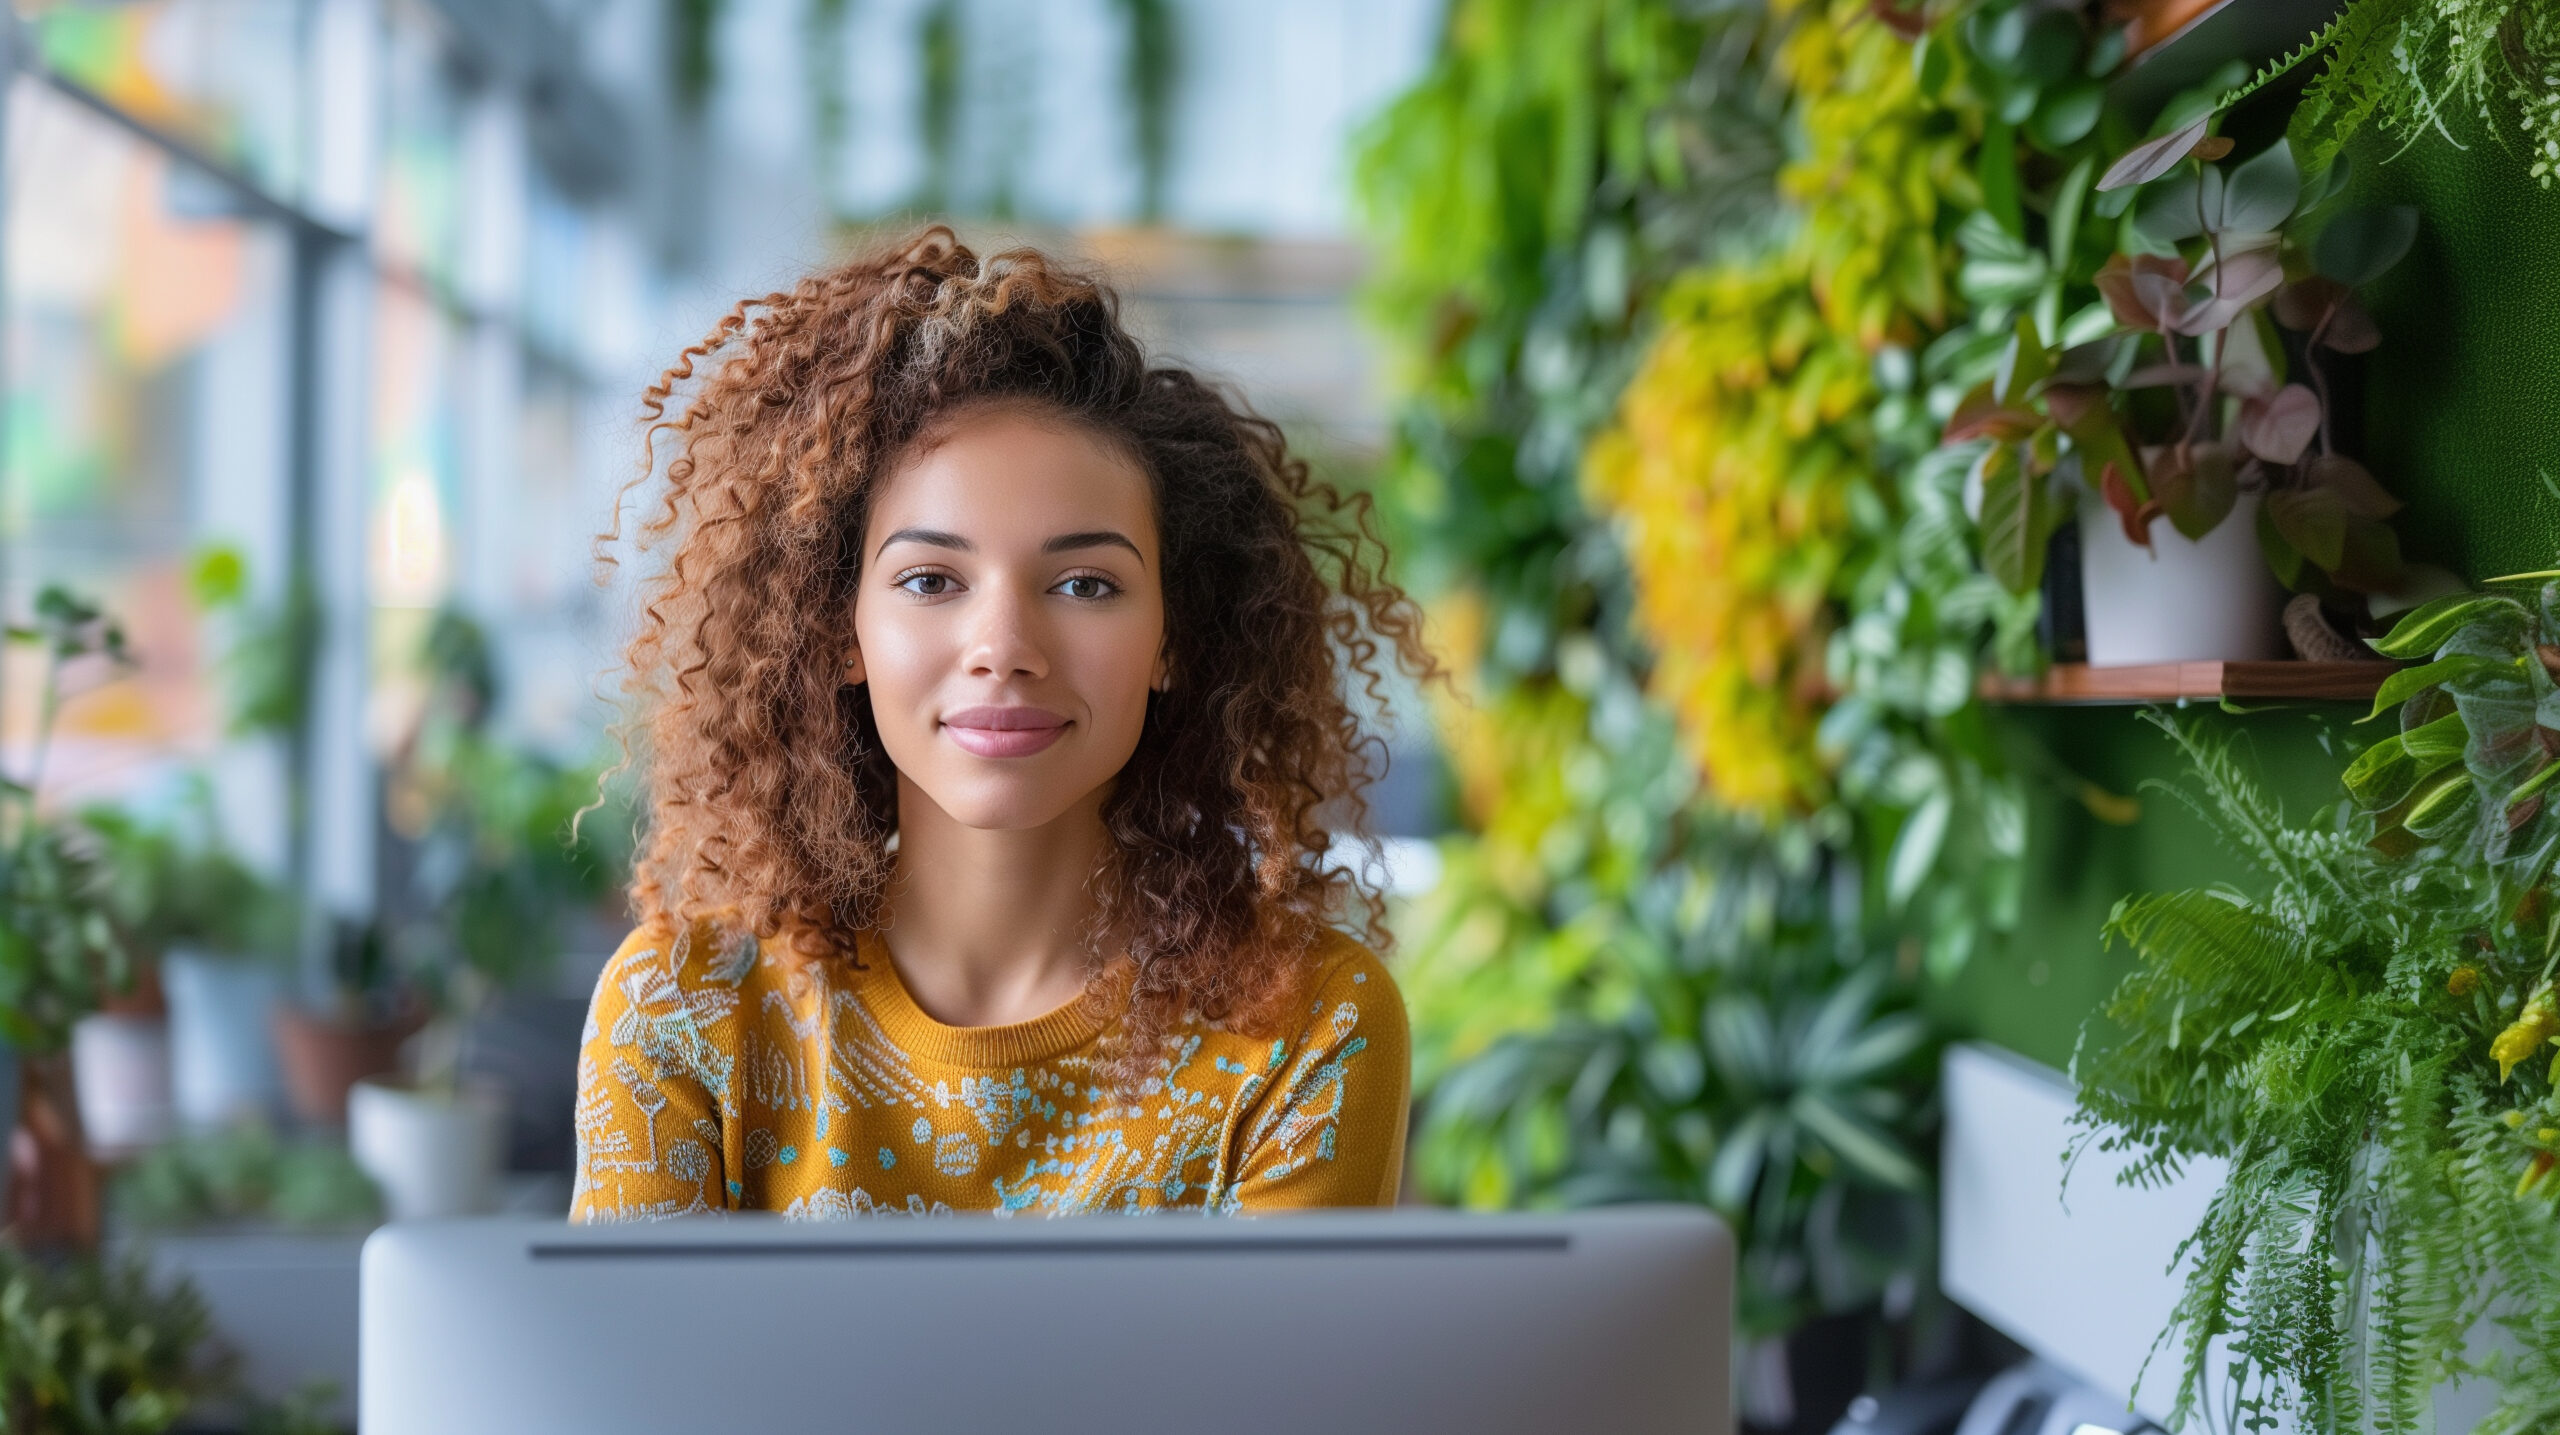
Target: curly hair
770	800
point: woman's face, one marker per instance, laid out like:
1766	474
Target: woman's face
1010	618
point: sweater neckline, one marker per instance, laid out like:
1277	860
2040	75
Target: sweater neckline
1025	1043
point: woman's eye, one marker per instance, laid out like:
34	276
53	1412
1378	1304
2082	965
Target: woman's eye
926	585
1085	585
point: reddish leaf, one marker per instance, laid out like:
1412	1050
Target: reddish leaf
2151	159
2369	561
2280	427
2358	490
1982	416
2134	515
2237	284
2070	403
2351	330
2302	304
1909	24
2162	376
2144	292
2523	812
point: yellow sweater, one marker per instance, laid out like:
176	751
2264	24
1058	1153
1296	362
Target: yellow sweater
735	1079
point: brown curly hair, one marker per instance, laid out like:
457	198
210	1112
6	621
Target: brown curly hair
770	799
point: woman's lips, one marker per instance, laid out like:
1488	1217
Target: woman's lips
1004	732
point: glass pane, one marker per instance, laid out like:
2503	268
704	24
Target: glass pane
225	76
146	407
418	227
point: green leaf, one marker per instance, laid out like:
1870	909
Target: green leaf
1997	169
2062	225
2312	520
2441	740
2430	625
2358	246
2384	775
2065	116
1736	1169
2262	193
2444	807
1915	848
2409	682
2176	210
2024	363
2018	520
1858	1143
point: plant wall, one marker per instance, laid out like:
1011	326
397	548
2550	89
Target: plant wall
1622	988
1732	475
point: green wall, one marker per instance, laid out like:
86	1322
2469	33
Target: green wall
2460	399
2031	993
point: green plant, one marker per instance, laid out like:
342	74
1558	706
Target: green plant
1682	1015
91	1348
171	883
244	1174
2196	398
60	950
266	665
2479	719
2348	1034
2405	65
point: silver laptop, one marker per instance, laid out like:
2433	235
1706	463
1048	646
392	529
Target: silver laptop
1341	1322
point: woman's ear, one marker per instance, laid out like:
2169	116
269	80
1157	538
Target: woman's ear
855	675
1162	680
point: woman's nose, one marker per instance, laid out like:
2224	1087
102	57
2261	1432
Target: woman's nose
1004	640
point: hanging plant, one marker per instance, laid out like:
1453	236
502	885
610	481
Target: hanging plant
2369	1042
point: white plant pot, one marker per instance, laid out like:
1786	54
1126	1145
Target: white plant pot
120	1068
2180	600
431	1153
222	1058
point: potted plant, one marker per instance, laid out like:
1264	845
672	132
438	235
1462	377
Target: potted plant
502	867
2207	404
220	935
61	950
371	1014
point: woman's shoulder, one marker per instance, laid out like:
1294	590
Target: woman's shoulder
696	971
1348	989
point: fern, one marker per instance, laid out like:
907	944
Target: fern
2327	1034
2405	66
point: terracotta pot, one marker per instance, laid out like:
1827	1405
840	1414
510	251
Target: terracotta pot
54	1190
323	1057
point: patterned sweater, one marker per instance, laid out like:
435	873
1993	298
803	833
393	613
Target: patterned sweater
738	1079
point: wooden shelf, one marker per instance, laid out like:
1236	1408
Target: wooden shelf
2171	682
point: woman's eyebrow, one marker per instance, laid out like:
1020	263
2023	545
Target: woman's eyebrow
933	536
1097	538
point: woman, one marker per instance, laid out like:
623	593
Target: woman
995	728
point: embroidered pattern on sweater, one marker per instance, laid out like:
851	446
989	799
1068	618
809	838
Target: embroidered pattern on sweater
735	1079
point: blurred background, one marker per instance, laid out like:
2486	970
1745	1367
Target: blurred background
1715	365
326	325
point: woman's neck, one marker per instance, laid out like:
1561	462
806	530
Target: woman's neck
989	928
